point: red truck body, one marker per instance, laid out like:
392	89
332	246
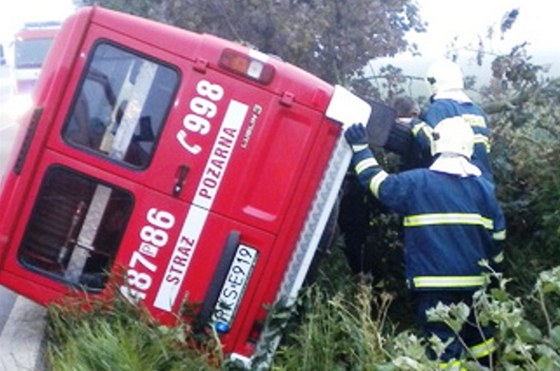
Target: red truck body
203	169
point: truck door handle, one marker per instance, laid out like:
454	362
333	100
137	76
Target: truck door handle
180	177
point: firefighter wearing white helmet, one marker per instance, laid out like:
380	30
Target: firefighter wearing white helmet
450	100
453	136
444	75
452	221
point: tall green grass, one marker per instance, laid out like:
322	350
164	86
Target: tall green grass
338	323
117	335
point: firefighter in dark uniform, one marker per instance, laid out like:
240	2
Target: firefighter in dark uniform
452	222
449	100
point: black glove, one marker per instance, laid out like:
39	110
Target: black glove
356	135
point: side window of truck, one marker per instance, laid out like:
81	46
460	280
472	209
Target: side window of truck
75	229
120	107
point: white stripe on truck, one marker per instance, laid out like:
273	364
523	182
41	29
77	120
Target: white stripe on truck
197	214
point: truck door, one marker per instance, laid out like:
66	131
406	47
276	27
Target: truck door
85	226
189	129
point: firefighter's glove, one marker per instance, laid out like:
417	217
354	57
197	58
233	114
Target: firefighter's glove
356	136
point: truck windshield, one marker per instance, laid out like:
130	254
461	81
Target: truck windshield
121	105
75	229
30	53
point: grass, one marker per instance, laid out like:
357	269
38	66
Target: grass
119	336
338	323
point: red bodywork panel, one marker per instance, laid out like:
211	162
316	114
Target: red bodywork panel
217	207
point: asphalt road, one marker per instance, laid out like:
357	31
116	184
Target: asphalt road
22	322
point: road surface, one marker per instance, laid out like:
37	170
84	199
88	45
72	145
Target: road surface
22	322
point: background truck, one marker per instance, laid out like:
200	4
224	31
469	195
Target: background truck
186	168
31	46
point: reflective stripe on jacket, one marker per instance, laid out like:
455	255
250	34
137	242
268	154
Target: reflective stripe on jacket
451	223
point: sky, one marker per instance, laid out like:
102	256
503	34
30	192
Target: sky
537	23
468	21
538	19
14	13
446	18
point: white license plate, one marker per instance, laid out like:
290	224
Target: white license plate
234	287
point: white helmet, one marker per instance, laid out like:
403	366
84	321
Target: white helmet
443	75
453	135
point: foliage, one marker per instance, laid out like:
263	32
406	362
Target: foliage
113	334
525	137
332	39
370	342
336	332
349	330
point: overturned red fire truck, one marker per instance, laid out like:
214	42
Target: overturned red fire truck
203	168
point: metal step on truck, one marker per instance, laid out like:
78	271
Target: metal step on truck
202	170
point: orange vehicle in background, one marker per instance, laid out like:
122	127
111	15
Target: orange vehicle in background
31	46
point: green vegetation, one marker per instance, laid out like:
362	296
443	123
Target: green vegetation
113	334
333	328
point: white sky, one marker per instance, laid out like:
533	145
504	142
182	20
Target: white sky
13	13
538	19
537	22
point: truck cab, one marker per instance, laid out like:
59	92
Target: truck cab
196	169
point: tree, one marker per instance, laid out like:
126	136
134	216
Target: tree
333	39
523	104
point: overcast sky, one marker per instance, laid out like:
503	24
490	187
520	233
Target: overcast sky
537	23
538	19
13	13
468	21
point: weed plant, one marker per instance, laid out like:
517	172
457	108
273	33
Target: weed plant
340	322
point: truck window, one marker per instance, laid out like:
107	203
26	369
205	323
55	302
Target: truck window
30	53
120	107
75	229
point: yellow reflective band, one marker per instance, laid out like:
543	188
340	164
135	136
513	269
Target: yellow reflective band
452	366
474	120
482	139
364	164
483	349
359	147
376	181
448	281
498	258
416	128
448	218
422	127
499	235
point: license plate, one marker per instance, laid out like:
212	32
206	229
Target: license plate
234	287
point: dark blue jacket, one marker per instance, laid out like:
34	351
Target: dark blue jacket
451	223
472	114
